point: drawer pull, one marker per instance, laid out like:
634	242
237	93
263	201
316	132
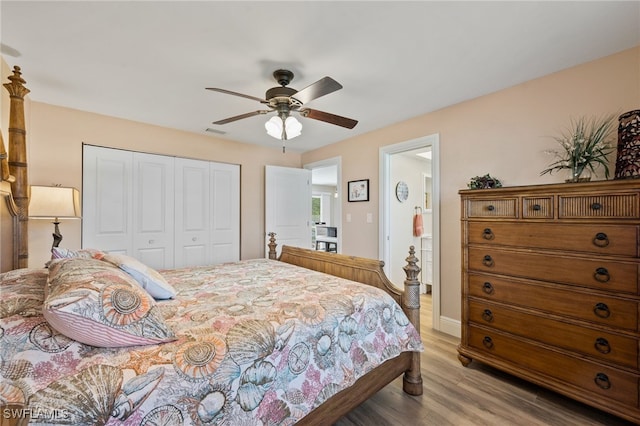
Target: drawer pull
487	287
487	342
602	381
487	234
602	345
536	207
596	206
601	240
602	310
487	261
602	275
487	315
490	207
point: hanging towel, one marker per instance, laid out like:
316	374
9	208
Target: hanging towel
418	226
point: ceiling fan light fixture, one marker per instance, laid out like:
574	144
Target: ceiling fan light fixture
293	127
275	125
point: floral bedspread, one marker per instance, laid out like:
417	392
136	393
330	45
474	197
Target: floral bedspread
259	342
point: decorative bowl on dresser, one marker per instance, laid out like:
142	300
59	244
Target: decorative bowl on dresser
550	288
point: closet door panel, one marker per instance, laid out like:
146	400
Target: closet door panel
107	199
167	212
153	201
225	208
193	215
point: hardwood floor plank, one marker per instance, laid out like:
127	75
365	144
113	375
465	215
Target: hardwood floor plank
476	395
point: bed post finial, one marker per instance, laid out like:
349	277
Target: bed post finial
412	380
18	162
272	246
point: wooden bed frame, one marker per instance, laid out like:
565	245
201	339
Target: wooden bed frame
13	255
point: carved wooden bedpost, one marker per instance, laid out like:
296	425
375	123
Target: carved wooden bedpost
4	162
273	255
18	162
412	381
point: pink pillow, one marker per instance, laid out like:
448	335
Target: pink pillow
97	304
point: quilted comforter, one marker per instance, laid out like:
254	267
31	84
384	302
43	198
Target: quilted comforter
259	342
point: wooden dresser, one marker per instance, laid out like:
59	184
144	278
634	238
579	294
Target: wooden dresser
550	288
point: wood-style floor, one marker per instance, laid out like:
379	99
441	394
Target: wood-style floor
473	395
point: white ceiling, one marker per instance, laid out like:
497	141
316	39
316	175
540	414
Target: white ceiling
150	61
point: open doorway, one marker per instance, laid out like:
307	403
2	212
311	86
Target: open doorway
326	203
409	186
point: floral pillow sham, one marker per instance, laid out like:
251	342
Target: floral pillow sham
97	304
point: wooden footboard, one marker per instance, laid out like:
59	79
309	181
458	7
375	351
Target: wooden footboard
366	271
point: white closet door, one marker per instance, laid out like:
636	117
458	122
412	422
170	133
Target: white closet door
107	199
225	208
153	211
193	213
167	212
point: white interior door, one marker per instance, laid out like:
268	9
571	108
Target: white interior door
288	206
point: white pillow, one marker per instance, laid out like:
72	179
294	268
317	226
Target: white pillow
147	277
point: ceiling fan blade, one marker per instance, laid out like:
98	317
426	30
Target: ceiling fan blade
322	87
329	118
241	116
229	92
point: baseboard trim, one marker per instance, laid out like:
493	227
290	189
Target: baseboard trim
451	326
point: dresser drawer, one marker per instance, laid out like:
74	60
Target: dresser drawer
602	274
605	310
591	377
614	348
615	240
499	208
598	206
537	207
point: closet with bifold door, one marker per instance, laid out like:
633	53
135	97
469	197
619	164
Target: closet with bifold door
167	212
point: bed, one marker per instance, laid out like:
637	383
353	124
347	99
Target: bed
303	337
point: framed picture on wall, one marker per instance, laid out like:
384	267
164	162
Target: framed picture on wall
358	190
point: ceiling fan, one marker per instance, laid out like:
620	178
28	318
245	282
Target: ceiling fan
284	100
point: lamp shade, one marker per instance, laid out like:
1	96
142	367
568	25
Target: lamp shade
274	127
54	202
292	128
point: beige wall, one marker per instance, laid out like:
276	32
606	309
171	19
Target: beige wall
504	133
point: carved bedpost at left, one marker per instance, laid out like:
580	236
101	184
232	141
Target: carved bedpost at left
18	162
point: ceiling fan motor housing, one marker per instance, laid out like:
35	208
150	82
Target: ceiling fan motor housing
279	92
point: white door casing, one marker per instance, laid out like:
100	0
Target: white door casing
385	200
